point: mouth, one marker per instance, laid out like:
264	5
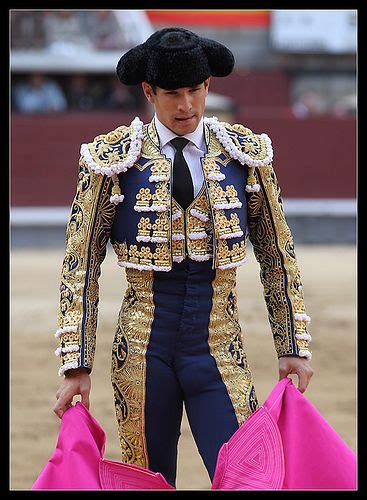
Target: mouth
185	118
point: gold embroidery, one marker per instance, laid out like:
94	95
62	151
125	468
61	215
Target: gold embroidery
178	246
128	369
116	135
224	198
225	225
210	166
144	227
274	249
233	255
87	234
225	345
231	194
161	168
252	144
194	225
161	227
159	198
121	251
200	203
161	195
143	198
111	147
218	194
130	254
161	255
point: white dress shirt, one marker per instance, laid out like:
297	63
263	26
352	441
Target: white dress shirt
193	151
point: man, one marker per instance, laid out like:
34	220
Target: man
178	198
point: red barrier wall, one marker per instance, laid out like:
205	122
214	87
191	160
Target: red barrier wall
254	87
313	158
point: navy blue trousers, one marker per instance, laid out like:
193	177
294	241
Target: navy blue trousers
190	352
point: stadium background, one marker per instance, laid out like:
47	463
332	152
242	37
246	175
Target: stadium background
292	80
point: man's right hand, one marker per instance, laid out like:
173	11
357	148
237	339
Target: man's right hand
76	381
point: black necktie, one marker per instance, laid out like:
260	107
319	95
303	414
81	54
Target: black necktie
183	189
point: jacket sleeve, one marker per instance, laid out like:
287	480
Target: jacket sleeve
279	273
87	234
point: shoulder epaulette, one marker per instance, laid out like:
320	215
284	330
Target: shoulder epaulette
116	151
254	150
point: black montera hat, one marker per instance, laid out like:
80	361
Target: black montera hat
174	57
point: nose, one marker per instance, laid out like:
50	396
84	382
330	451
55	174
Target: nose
185	104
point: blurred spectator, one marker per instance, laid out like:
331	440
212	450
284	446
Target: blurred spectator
64	32
308	104
79	94
103	29
119	97
346	106
39	95
27	29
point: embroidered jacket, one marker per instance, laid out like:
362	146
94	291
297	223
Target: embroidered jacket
124	194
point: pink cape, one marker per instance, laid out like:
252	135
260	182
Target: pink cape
77	462
285	444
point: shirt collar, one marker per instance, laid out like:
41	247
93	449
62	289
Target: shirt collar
165	134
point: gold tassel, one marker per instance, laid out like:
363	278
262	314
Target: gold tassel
252	186
251	179
116	196
116	186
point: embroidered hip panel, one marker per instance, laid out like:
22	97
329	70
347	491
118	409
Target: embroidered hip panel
225	343
128	369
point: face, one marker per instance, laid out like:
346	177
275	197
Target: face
181	109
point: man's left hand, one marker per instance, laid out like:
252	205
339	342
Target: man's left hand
300	366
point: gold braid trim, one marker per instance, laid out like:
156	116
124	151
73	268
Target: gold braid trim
87	233
274	250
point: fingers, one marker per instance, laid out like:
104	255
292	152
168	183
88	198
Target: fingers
297	366
64	402
85	398
302	382
304	378
60	408
283	372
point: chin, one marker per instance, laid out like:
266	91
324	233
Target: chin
185	127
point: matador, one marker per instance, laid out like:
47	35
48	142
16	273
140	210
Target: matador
178	198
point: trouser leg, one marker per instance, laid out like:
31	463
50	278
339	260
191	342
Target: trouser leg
212	367
210	412
163	416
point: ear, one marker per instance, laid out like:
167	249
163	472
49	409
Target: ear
148	92
206	85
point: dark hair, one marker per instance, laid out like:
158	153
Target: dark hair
154	88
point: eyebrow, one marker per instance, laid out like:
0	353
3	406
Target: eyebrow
176	90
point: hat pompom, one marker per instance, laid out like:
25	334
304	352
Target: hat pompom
132	66
220	59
